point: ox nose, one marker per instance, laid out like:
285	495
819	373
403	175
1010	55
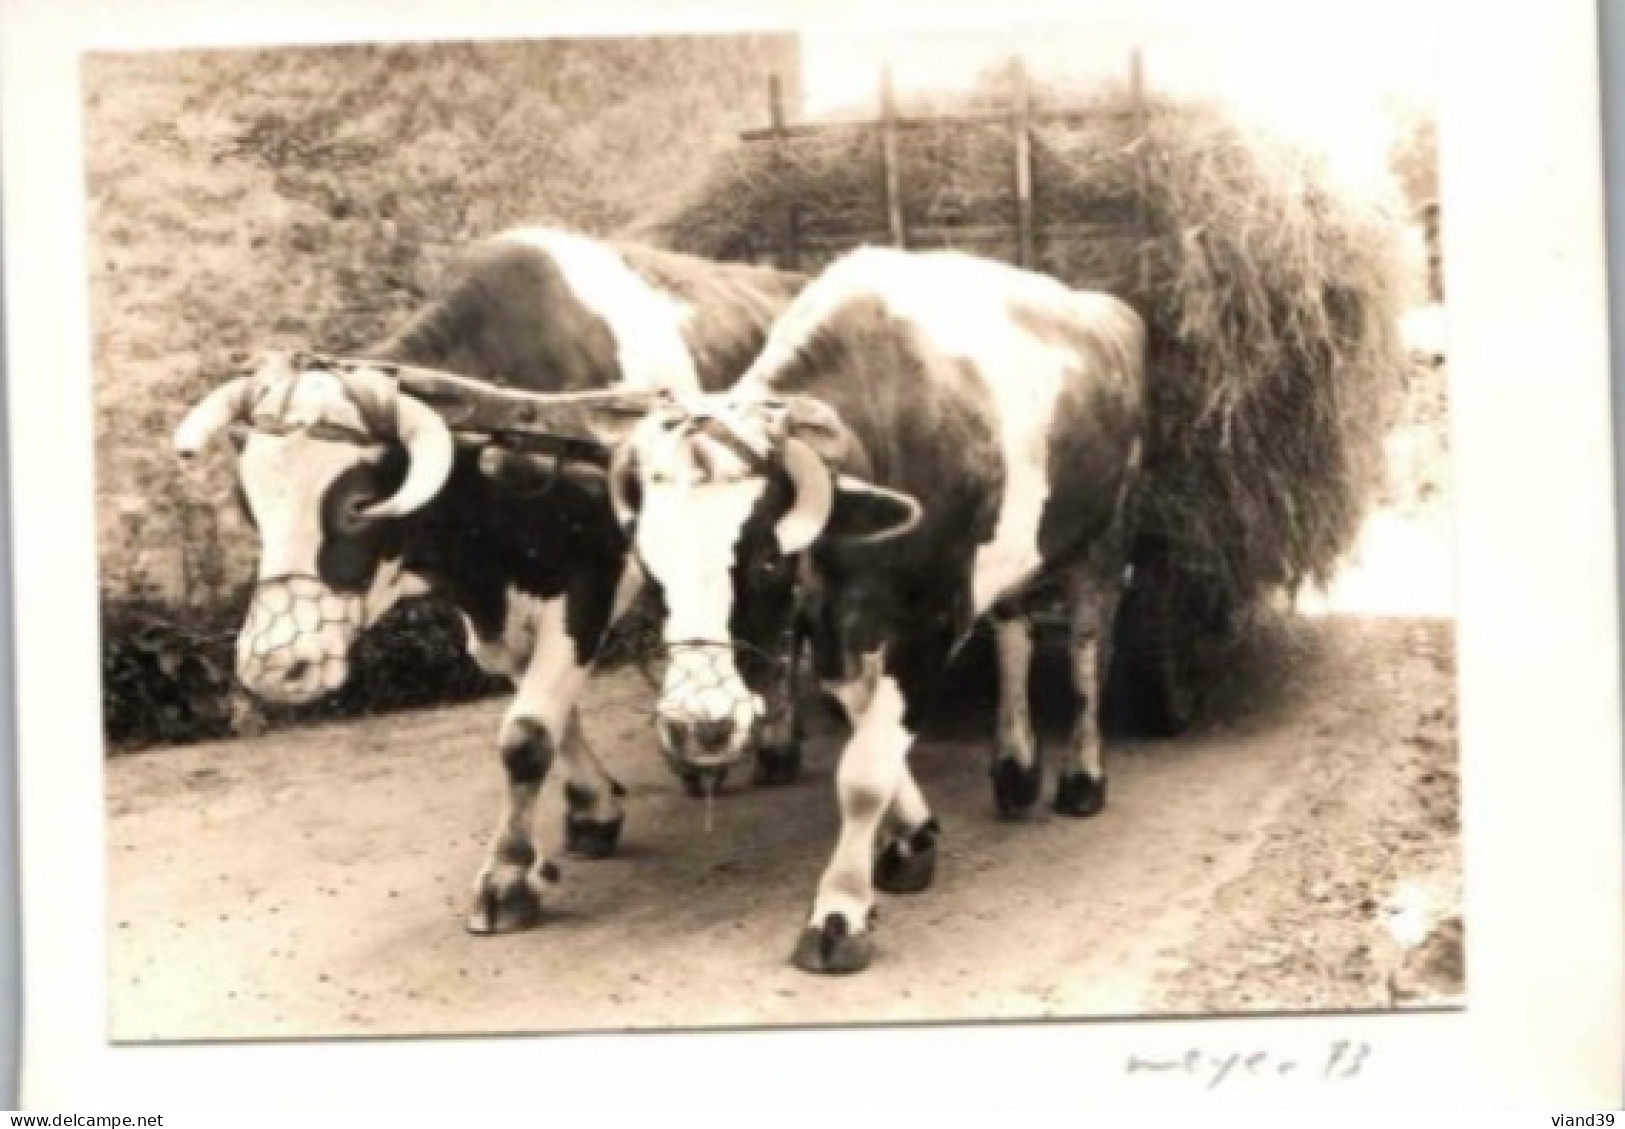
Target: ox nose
712	736
691	740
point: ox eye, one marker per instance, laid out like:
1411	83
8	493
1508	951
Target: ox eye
354	511
349	511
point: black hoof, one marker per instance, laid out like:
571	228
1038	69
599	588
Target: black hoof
781	765
1078	795
698	781
1016	787
908	866
591	838
506	905
833	949
584	835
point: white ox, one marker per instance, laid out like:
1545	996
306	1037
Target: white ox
924	438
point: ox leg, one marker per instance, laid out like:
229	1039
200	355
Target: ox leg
872	769
1017	770
1094	596
907	861
872	781
515	877
778	753
511	885
854	694
593	815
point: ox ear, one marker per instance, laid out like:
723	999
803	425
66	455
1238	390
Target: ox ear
819	426
866	514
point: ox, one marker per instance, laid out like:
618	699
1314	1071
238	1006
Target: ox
361	495
925	439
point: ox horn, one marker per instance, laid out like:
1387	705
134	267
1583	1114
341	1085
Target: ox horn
430	451
226	405
814	493
907	505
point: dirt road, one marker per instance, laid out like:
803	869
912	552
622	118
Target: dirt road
1299	850
315	883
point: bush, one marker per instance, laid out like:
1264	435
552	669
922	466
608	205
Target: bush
167	675
166	678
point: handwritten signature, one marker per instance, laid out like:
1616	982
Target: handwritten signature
1344	1059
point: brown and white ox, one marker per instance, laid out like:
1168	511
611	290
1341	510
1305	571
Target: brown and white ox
361	496
925	438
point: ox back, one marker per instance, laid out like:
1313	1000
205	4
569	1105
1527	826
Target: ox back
1015	427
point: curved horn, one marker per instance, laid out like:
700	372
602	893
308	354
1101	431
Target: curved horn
430	449
621	476
814	497
912	512
226	405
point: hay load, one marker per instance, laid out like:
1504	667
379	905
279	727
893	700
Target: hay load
1272	300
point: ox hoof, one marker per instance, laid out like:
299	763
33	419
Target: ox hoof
509	902
781	765
583	835
698	781
833	948
591	838
1016	786
1077	794
907	866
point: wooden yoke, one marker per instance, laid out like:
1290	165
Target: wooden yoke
524	438
594	420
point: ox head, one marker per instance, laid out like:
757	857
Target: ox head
723	498
332	458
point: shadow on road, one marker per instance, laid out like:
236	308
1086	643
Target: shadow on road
1252	680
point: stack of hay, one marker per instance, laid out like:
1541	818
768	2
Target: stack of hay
1271	297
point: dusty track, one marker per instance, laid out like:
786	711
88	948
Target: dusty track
314	883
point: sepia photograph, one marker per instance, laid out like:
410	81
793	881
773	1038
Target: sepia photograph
734	554
792	528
